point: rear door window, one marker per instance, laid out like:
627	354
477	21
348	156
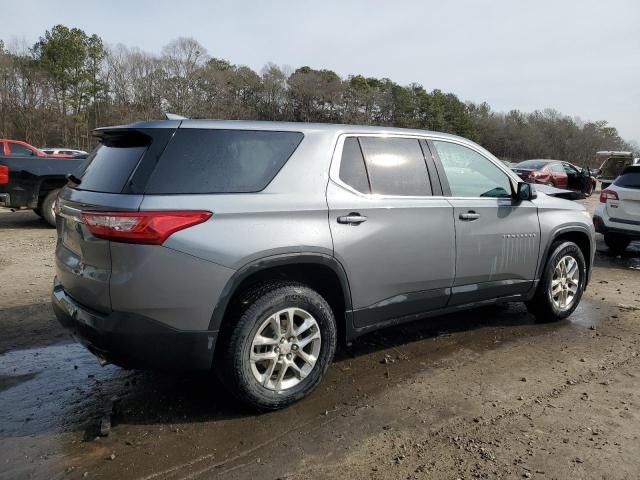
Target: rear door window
221	161
396	166
352	169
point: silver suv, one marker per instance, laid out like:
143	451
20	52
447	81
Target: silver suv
254	247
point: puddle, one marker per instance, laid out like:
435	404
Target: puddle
50	389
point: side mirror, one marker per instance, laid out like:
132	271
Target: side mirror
526	191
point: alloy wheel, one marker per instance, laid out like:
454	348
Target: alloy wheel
285	349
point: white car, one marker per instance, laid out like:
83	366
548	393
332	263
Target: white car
64	151
617	216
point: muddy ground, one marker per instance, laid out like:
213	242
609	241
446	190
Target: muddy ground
482	394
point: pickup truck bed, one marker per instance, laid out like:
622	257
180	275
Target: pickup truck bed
32	179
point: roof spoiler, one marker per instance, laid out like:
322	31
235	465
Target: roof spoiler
173	116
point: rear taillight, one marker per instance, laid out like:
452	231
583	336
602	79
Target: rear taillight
150	228
608	195
4	174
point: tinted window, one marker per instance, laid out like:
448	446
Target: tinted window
628	180
222	161
612	167
352	169
471	174
396	166
20	150
109	166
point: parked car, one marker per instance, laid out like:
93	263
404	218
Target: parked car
613	164
17	148
558	174
65	151
617	216
254	247
33	181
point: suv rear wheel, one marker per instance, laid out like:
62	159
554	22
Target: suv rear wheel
561	285
281	346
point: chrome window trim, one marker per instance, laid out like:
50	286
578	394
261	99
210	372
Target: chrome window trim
336	159
334	169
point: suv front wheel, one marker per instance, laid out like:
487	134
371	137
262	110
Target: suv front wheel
561	285
280	347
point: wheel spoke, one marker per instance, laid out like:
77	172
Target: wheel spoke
267	375
307	340
280	376
274	321
306	325
306	358
291	313
262	356
262	340
298	371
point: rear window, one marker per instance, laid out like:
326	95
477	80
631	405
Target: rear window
612	167
221	161
629	180
110	165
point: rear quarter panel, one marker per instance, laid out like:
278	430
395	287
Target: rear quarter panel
289	216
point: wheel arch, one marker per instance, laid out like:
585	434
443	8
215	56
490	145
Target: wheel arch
47	184
576	234
321	272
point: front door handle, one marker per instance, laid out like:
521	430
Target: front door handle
469	216
352	219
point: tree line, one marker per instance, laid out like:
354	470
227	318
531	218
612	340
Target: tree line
57	91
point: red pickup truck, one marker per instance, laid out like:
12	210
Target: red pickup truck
15	148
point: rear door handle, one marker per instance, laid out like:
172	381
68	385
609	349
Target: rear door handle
469	216
352	219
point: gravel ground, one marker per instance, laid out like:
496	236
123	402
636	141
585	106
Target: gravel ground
481	394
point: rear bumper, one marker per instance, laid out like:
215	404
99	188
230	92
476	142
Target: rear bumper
133	341
617	228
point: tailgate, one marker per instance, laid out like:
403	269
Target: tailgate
83	262
627	207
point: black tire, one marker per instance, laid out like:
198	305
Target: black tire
38	211
616	243
542	305
590	190
255	307
46	208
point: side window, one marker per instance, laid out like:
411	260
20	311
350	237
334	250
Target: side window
471	174
396	166
556	167
20	150
352	169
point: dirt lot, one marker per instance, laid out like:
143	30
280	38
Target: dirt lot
483	394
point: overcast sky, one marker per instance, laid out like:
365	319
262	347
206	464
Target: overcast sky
579	57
